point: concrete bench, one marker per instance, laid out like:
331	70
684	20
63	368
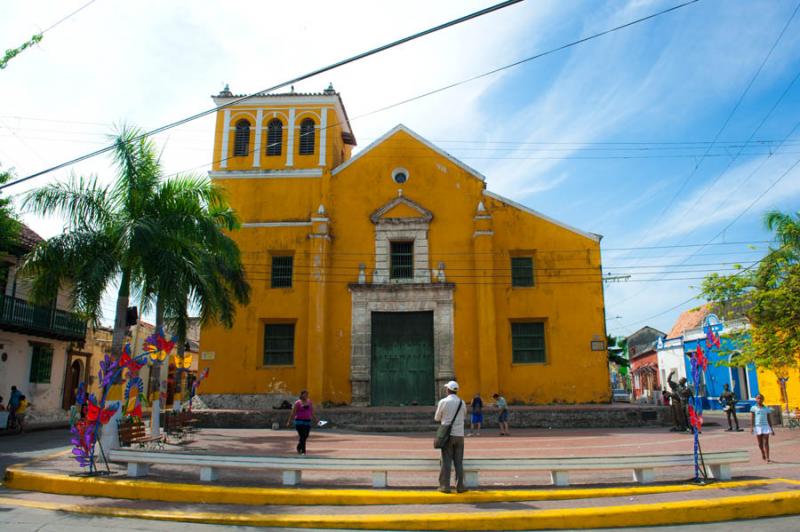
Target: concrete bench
643	466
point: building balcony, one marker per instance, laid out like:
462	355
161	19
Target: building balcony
21	316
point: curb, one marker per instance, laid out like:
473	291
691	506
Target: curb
672	513
21	479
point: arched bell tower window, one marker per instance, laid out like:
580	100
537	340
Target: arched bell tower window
241	142
274	136
307	137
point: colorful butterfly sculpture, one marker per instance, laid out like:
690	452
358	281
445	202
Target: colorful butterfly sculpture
157	346
184	362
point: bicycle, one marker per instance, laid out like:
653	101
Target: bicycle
15	425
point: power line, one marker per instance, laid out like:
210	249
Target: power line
698	296
463	152
361	56
736	107
667	144
65	18
727	121
765	146
557	250
730	194
395	104
531	58
297	79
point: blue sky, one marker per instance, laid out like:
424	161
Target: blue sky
607	136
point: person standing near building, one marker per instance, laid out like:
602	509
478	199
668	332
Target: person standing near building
762	426
502	417
728	402
13	403
450	411
477	415
303	415
19	413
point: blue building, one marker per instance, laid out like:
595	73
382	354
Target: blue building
743	380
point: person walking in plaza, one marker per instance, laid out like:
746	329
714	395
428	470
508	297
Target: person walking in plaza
762	426
303	415
502	417
477	416
728	401
450	411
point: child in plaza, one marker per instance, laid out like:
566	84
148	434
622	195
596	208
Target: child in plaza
762	426
477	416
19	413
502	418
303	415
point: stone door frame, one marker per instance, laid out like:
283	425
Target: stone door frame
367	299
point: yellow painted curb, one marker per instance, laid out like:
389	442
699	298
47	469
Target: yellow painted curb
683	512
123	488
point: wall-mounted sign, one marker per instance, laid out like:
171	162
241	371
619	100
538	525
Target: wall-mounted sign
598	345
208	355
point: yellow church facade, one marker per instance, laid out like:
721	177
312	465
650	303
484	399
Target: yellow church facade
377	278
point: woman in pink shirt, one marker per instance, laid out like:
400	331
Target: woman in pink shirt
303	416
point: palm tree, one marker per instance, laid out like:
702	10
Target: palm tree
121	234
196	264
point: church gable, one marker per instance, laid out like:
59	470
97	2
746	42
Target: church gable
398	130
401	209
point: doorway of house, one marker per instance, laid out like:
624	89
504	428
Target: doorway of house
74	375
402	359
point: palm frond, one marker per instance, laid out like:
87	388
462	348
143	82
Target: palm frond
82	202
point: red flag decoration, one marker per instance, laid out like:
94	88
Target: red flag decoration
695	418
700	358
712	339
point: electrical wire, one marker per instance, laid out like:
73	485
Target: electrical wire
745	270
239	100
735	108
67	17
283	84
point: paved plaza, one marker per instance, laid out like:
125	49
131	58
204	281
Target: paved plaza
47	452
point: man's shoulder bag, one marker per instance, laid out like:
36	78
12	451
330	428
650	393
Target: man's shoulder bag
443	432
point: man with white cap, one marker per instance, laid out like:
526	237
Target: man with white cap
450	411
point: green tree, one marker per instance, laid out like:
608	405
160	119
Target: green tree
769	296
618	354
9	225
121	234
11	53
197	266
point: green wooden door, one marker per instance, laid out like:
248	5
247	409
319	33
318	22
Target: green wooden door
402	358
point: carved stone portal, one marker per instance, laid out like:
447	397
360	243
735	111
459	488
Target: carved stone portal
367	299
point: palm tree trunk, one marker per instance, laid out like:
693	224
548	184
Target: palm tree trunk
120	318
155	421
179	374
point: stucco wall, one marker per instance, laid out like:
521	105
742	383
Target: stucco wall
45	399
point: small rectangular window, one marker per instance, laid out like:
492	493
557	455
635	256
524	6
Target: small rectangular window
521	271
278	344
527	342
282	271
402	266
41	363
